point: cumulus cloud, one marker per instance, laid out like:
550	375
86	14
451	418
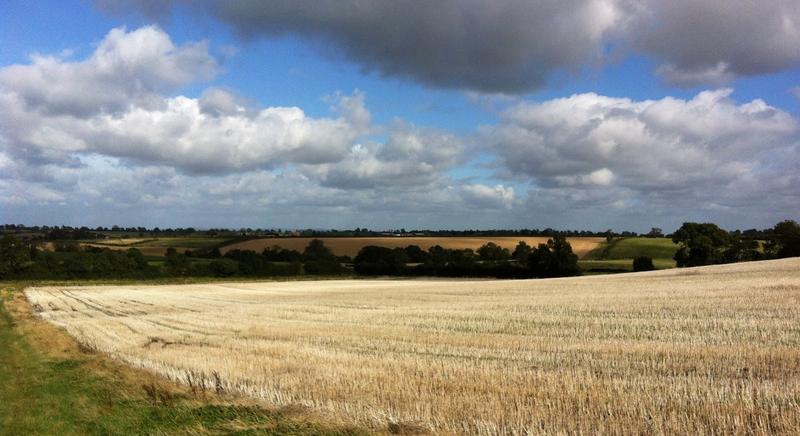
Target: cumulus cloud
141	151
106	190
512	46
410	156
498	46
485	196
180	134
708	147
126	69
714	41
220	102
112	104
145	148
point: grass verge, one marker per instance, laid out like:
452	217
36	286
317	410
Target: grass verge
50	386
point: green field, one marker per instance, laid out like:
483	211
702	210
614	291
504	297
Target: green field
629	248
49	386
618	254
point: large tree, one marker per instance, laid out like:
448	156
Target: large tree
521	252
317	251
784	239
700	244
493	252
554	259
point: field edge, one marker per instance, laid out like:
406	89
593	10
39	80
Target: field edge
56	385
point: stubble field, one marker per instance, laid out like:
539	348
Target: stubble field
712	350
351	246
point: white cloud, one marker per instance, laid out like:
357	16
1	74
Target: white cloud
131	149
217	101
693	149
178	132
410	156
144	149
481	195
111	104
601	177
126	68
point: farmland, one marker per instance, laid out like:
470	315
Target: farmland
706	350
341	246
618	254
628	248
157	246
350	246
50	385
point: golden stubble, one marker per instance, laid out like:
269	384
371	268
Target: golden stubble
712	350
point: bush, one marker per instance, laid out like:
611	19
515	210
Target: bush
324	267
643	263
223	267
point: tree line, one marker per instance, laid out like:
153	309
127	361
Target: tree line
100	232
698	244
553	259
708	244
69	260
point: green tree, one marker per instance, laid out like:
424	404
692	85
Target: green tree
138	258
439	255
374	260
784	239
700	244
223	267
643	263
522	251
493	252
742	250
317	251
320	259
554	259
416	254
13	256
176	263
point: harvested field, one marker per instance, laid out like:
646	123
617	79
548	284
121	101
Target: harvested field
156	246
713	350
351	246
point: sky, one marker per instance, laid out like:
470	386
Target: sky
388	114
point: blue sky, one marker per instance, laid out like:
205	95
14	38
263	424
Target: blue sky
465	115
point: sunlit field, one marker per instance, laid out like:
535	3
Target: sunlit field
351	246
712	350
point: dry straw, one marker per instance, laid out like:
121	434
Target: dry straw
712	350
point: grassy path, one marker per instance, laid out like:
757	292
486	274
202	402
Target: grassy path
48	386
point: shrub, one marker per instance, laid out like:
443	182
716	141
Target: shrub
643	263
223	267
